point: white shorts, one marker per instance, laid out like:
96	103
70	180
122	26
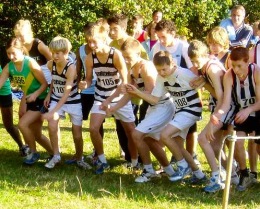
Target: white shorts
183	122
124	114
74	111
156	118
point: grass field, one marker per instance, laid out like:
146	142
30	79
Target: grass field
67	186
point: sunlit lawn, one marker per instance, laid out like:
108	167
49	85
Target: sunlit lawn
67	186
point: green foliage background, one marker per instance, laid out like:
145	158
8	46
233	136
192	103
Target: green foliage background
49	18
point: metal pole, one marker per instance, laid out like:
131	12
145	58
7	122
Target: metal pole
232	140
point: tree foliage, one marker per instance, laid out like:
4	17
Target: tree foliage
65	17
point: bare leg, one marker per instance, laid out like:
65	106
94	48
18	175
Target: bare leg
24	125
129	128
78	141
7	117
142	147
96	121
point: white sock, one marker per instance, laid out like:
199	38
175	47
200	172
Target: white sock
134	162
102	158
149	168
169	170
57	156
182	163
199	174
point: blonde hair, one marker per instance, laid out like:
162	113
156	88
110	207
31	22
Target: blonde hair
132	44
23	26
97	30
218	35
197	49
60	44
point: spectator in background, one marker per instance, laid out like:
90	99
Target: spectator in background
152	40
256	33
138	32
239	32
156	16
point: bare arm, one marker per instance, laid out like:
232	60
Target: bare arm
79	66
89	74
44	50
147	97
4	76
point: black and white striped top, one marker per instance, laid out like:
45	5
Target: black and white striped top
244	91
108	77
186	99
59	82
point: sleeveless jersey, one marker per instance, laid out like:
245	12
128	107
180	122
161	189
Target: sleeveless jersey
224	60
83	55
212	100
141	37
244	91
25	79
6	88
185	98
176	55
35	54
59	82
108	77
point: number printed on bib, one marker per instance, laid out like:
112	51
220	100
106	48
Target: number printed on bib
19	79
108	82
181	102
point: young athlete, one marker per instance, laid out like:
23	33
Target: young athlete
87	95
243	82
118	26
28	75
212	71
142	74
6	105
166	32
62	98
109	66
175	80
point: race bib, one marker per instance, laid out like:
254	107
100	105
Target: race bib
181	102
20	80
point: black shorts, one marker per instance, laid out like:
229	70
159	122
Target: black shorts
193	129
87	101
250	125
35	106
6	100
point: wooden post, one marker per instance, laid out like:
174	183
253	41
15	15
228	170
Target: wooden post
232	140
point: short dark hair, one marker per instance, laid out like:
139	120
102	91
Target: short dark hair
119	19
167	25
239	53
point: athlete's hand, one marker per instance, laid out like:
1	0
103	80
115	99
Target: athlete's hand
241	116
51	116
82	85
31	98
209	132
197	82
104	105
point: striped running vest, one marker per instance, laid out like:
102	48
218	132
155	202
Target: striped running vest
59	82
185	98
244	91
108	77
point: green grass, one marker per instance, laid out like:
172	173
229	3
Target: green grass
70	187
